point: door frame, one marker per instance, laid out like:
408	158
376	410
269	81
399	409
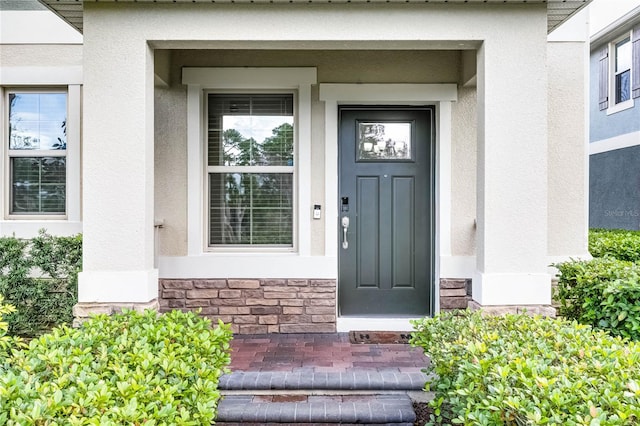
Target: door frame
420	166
439	95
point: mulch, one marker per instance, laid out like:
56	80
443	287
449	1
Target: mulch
423	412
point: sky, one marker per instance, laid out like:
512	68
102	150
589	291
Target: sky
603	12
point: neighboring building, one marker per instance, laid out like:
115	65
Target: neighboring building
614	160
40	60
306	167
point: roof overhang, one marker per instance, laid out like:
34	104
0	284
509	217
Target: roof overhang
558	11
616	28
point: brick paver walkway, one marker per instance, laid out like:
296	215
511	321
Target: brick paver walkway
321	353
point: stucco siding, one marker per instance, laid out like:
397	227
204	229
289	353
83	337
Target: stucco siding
390	25
21	55
170	152
567	148
463	173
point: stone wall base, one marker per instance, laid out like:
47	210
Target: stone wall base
455	293
257	306
544	310
82	311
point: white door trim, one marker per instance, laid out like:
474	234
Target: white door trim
440	95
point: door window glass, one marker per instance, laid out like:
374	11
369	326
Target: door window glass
384	141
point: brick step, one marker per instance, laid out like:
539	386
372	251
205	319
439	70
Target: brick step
388	409
356	380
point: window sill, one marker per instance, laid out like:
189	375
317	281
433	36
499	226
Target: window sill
249	251
620	107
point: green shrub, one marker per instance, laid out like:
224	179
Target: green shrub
521	370
603	293
618	243
129	368
39	277
7	342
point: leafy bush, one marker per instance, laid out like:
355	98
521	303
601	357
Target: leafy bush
522	370
39	277
603	292
7	342
129	368
618	243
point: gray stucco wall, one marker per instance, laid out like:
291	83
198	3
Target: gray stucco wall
603	126
614	186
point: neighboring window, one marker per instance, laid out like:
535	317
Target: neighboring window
37	153
619	73
250	167
622	71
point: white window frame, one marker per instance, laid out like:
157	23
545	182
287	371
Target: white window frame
25	225
252	169
613	106
200	82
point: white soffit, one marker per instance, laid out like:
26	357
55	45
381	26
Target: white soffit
558	11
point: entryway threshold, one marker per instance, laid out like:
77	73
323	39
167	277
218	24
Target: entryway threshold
380	323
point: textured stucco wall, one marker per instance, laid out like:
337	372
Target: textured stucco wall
170	191
567	75
463	173
333	67
22	55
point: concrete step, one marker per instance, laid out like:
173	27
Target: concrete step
360	380
388	409
319	398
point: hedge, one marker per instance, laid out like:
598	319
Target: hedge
522	370
604	292
39	277
129	368
618	243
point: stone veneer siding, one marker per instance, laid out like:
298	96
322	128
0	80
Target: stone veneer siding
256	306
454	293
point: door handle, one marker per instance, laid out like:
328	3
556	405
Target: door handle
345	228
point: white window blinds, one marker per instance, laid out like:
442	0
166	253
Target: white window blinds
250	166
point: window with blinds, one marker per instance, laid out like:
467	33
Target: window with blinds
37	153
250	167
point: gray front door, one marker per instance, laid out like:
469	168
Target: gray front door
386	211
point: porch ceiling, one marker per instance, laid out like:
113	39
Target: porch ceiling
558	11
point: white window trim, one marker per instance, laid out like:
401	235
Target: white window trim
200	80
614	107
254	169
28	226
